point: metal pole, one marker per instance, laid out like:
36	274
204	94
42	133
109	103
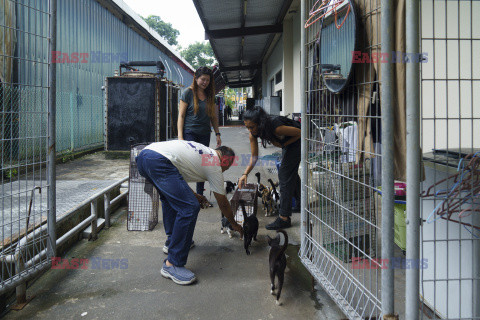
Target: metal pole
51	152
94	214
413	161
303	161
387	158
106	205
476	269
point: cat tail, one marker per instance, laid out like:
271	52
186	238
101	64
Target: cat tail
285	244
274	189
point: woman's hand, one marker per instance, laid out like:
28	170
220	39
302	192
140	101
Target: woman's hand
242	181
219	141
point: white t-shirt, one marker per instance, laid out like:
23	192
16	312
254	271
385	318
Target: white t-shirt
194	161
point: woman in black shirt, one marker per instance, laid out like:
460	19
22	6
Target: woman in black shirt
284	133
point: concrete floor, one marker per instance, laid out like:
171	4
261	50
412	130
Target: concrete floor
231	285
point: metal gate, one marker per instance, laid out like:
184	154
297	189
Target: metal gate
26	99
428	263
450	206
341	238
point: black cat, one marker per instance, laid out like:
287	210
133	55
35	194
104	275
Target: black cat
250	228
278	262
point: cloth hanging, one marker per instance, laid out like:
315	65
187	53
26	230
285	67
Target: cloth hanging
8	36
348	140
369	42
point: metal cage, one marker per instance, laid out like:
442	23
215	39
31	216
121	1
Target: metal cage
249	196
143	197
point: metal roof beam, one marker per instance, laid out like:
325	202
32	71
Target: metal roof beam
240	32
239	68
240	84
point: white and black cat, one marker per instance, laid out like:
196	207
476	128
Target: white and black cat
229	188
278	262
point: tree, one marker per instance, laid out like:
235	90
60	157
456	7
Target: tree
164	29
230	97
199	54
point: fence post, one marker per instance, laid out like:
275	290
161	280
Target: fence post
106	201
413	161
21	289
303	118
51	152
94	224
387	35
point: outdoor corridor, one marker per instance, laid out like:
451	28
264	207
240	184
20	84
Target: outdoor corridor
122	277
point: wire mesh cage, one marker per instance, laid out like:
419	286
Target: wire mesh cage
249	197
143	198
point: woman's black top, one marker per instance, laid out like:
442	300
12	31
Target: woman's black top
278	121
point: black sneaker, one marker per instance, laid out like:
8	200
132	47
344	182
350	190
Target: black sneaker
279	223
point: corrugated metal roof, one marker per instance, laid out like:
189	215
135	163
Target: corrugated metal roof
240	33
120	7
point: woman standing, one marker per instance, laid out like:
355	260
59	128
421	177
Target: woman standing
197	112
284	133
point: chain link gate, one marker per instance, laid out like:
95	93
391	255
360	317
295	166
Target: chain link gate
341	227
26	185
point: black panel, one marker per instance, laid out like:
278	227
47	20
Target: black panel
162	87
174	111
131	112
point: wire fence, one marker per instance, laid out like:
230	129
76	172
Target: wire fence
450	206
343	229
23	134
342	233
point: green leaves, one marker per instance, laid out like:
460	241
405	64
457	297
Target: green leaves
199	54
164	29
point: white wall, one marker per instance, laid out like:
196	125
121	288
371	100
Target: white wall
297	29
271	66
288	76
449	107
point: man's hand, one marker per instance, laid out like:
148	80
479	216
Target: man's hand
202	201
219	141
238	228
226	210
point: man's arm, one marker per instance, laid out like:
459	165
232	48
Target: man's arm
226	210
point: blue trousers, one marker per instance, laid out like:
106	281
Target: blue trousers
203	139
180	208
